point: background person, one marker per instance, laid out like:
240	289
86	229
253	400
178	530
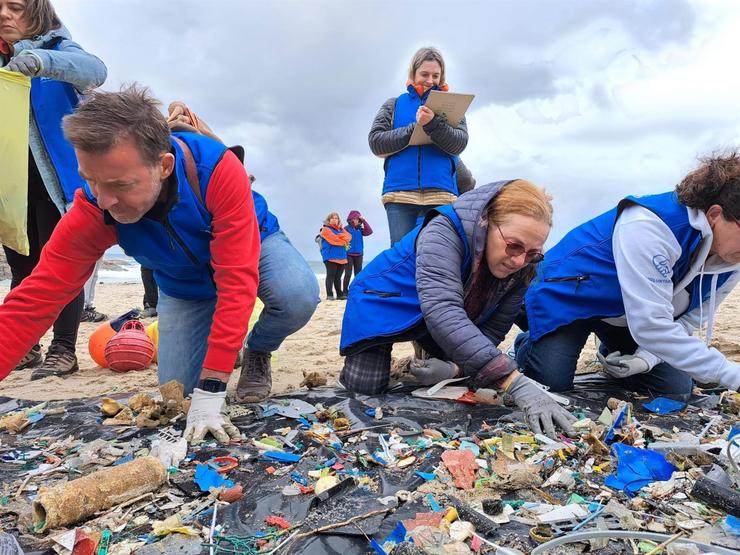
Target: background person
454	285
417	178
358	228
643	277
151	293
34	42
89	313
334	244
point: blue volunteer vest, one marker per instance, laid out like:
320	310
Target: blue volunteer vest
357	244
578	279
51	100
383	300
417	167
266	220
332	252
177	247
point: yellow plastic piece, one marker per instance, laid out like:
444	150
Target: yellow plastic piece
14	109
451	515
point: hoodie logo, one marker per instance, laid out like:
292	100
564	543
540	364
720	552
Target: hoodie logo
662	264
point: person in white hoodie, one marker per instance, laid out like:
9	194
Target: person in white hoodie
646	277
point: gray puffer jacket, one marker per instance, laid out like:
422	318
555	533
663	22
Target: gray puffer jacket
473	346
384	140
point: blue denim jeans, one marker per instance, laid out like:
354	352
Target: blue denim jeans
552	359
184	327
288	288
402	218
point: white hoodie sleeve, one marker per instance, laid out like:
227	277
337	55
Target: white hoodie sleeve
645	252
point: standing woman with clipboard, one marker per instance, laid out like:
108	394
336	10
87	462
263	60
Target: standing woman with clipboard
417	178
34	42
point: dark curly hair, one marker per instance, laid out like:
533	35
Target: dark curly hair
715	181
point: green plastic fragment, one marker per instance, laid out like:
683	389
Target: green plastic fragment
646	546
575	498
513	503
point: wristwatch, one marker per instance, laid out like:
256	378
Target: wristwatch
212	385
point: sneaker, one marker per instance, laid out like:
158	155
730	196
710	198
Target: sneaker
31	359
330	297
148	312
342	297
255	381
89	314
59	361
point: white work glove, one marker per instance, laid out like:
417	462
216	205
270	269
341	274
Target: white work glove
618	365
430	371
541	410
206	415
171	453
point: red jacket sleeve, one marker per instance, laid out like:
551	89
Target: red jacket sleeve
235	253
67	260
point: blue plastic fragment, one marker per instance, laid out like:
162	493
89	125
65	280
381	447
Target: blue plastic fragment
282	457
329	462
611	434
470	446
299	478
733	524
304	423
271	410
376	547
433	503
370	412
663	405
734	431
378	459
125	459
637	468
428	476
33	418
207	478
398	535
260	534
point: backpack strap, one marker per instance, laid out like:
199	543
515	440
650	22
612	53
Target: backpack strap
191	171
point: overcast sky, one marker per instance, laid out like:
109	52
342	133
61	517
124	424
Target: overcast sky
592	99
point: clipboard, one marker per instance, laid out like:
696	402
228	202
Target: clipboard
450	105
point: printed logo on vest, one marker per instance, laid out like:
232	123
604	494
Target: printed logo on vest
662	264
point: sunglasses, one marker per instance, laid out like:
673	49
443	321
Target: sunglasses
517	249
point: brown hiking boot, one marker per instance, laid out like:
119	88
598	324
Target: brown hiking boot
59	361
255	381
31	359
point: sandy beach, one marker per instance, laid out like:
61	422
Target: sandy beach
314	348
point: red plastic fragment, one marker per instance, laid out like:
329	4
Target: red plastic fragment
462	466
273	520
423	519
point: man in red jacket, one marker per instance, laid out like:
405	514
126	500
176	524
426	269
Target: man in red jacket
179	204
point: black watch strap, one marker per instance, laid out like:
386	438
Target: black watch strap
212	385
